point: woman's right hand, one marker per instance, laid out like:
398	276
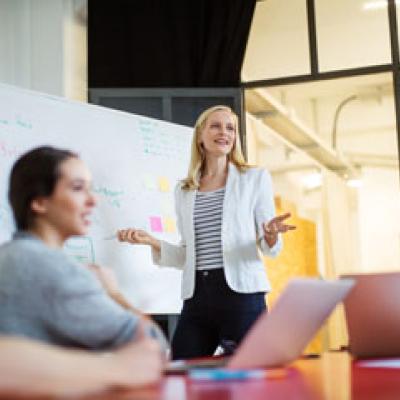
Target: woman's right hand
141	361
137	236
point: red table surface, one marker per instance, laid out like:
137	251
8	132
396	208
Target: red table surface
332	376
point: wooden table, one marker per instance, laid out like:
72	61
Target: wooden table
333	376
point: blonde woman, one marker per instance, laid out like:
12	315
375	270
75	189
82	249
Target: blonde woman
225	214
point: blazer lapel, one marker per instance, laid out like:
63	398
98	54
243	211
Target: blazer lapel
230	189
189	207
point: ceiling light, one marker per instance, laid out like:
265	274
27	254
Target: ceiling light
354	182
376	5
312	181
354	178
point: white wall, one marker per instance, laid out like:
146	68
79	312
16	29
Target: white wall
43	46
14	42
366	134
75	49
351	36
373	210
379	216
277	25
348	36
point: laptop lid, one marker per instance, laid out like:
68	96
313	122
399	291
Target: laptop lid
372	312
280	336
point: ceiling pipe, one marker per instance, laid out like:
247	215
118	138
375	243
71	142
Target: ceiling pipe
336	118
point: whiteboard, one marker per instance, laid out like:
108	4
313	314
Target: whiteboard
135	162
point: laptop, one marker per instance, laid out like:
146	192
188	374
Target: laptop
373	315
280	335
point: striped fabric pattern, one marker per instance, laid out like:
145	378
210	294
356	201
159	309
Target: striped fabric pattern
207	229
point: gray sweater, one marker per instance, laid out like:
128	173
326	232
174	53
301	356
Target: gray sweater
46	296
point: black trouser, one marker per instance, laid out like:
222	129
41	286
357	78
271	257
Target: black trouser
214	313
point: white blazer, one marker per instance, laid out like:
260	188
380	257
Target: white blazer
248	203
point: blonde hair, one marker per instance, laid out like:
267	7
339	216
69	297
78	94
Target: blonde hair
197	160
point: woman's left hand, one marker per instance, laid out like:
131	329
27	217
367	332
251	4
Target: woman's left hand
274	227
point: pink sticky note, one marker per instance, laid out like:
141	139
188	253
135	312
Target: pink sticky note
155	224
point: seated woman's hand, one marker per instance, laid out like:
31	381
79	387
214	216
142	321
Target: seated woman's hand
142	360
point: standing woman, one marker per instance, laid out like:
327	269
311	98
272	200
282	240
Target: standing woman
225	214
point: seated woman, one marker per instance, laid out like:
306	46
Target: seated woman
70	372
43	294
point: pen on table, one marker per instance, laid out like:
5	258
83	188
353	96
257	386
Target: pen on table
221	374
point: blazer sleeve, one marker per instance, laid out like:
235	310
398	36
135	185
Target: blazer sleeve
173	255
264	212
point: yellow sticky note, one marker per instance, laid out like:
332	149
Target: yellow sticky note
163	184
169	225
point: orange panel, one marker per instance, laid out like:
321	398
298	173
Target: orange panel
297	259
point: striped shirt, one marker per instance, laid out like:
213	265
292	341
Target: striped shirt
208	208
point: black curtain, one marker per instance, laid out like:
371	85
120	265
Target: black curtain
167	43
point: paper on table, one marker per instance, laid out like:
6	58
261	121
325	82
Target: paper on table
383	363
